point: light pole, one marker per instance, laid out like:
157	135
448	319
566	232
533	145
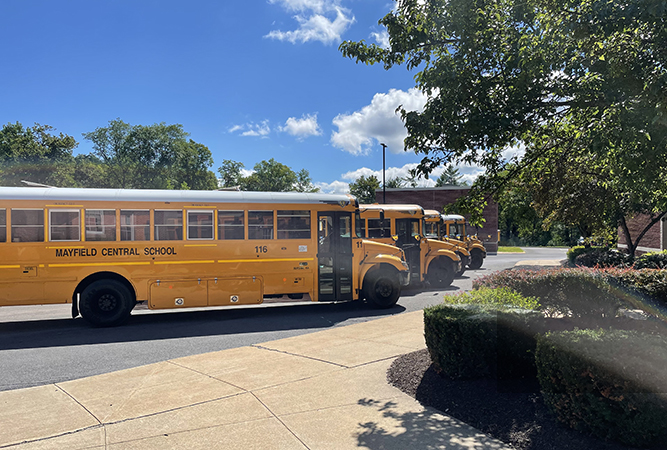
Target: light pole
384	185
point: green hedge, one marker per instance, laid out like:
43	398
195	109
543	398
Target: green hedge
482	341
584	293
610	383
656	260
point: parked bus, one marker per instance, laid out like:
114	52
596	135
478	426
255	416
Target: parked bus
104	250
429	260
433	222
453	226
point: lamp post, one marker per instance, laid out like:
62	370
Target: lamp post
384	185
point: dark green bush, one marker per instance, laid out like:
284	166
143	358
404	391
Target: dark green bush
603	257
656	260
582	293
478	341
610	383
575	251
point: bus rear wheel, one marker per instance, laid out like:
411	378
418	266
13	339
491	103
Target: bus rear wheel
382	289
106	303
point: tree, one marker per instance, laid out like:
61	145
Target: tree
363	188
582	78
35	154
450	177
270	176
154	156
230	173
395	183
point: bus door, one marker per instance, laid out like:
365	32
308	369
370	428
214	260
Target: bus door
334	254
407	230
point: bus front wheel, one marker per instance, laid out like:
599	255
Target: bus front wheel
382	289
106	303
476	259
440	273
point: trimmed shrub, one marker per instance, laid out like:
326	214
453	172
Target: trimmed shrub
603	257
575	251
656	260
582	293
610	383
478	341
501	296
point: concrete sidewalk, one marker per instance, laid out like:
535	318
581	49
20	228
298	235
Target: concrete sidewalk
325	390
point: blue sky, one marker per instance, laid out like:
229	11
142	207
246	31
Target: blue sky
251	79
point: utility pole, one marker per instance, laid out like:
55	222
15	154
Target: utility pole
384	185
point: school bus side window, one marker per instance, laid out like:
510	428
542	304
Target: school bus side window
260	224
27	225
293	224
379	228
64	225
168	225
3	225
100	225
200	224
134	225
230	225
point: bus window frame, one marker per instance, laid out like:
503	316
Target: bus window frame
156	225
42	210
64	210
3	226
133	226
200	211
262	226
102	225
242	225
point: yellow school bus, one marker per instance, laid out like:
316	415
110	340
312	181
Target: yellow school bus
429	260
453	226
104	250
433	223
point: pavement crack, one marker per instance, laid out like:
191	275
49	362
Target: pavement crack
280	420
300	356
78	403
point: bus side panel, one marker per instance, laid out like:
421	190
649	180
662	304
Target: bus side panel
178	294
235	291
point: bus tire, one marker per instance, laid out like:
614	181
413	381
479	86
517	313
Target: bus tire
106	303
382	289
440	273
463	268
476	259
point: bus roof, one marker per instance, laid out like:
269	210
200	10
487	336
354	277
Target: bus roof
409	209
452	217
155	195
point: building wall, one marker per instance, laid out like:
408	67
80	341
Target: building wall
654	240
437	198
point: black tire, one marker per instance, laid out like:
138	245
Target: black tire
106	303
463	267
382	289
440	273
476	259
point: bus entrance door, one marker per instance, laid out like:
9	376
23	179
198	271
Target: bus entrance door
334	254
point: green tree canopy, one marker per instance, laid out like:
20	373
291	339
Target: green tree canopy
450	177
363	188
582	78
154	156
268	176
35	154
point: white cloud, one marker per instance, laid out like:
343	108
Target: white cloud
381	38
302	128
337	187
261	129
375	123
319	20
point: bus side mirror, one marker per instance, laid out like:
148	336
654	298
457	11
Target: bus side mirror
382	216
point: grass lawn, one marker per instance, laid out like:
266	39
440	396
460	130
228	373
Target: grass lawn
510	250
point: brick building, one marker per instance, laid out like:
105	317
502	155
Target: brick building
437	197
654	240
